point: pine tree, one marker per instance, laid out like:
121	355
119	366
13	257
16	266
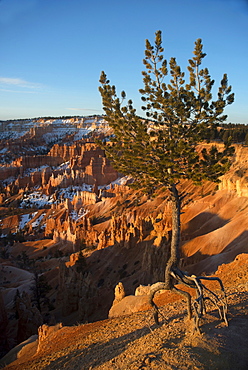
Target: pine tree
40	288
163	149
226	136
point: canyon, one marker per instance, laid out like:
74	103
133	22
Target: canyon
79	245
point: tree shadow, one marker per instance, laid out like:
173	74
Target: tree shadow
202	224
233	338
235	308
218	346
209	264
98	353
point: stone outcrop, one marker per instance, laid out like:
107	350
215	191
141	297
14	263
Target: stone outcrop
6	172
87	165
142	290
74	291
89	159
129	305
119	293
18	166
132	303
236	178
82	152
45	332
29	317
36	161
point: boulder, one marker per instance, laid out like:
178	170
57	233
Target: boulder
128	305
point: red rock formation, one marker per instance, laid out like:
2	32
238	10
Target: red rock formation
74	287
129	305
4	345
84	151
100	171
46	331
119	293
37	161
18	166
6	172
29	317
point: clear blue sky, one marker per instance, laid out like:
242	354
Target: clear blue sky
52	51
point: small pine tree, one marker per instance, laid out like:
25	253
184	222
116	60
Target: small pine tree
16	298
80	263
163	149
226	135
40	288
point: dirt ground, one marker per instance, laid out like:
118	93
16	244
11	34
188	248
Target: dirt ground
135	342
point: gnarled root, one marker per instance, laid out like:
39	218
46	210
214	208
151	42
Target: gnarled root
203	294
154	289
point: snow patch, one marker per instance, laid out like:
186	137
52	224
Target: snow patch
24	220
75	216
64	166
58	134
37	222
35	199
82	132
29	171
120	181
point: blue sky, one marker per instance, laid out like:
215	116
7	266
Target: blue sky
53	51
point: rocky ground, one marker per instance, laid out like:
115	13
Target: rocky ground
135	342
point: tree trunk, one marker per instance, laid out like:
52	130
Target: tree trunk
175	236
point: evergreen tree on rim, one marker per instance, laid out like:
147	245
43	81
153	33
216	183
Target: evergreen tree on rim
164	148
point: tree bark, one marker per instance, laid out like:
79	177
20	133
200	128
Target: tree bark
175	236
173	276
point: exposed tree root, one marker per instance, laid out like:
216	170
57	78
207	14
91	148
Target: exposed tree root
196	308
